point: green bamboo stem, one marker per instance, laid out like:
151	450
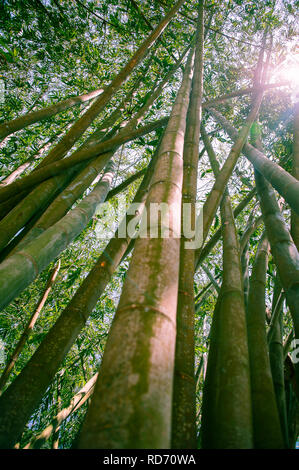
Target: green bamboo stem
281	180
276	352
21	122
295	171
283	249
213	200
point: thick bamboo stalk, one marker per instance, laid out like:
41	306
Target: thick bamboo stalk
202	253
295	171
184	399
266	424
29	327
123	414
24	395
37	200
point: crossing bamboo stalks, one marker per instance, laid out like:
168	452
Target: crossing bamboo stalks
38	199
146	316
76	402
211	205
29	327
16	219
21	122
281	180
202	253
229	316
85	177
37	375
84	122
283	249
184	402
78	157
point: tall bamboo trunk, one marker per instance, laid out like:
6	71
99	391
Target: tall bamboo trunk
266	423
136	412
226	409
281	180
184	398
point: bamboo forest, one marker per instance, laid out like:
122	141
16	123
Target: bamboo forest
149	224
